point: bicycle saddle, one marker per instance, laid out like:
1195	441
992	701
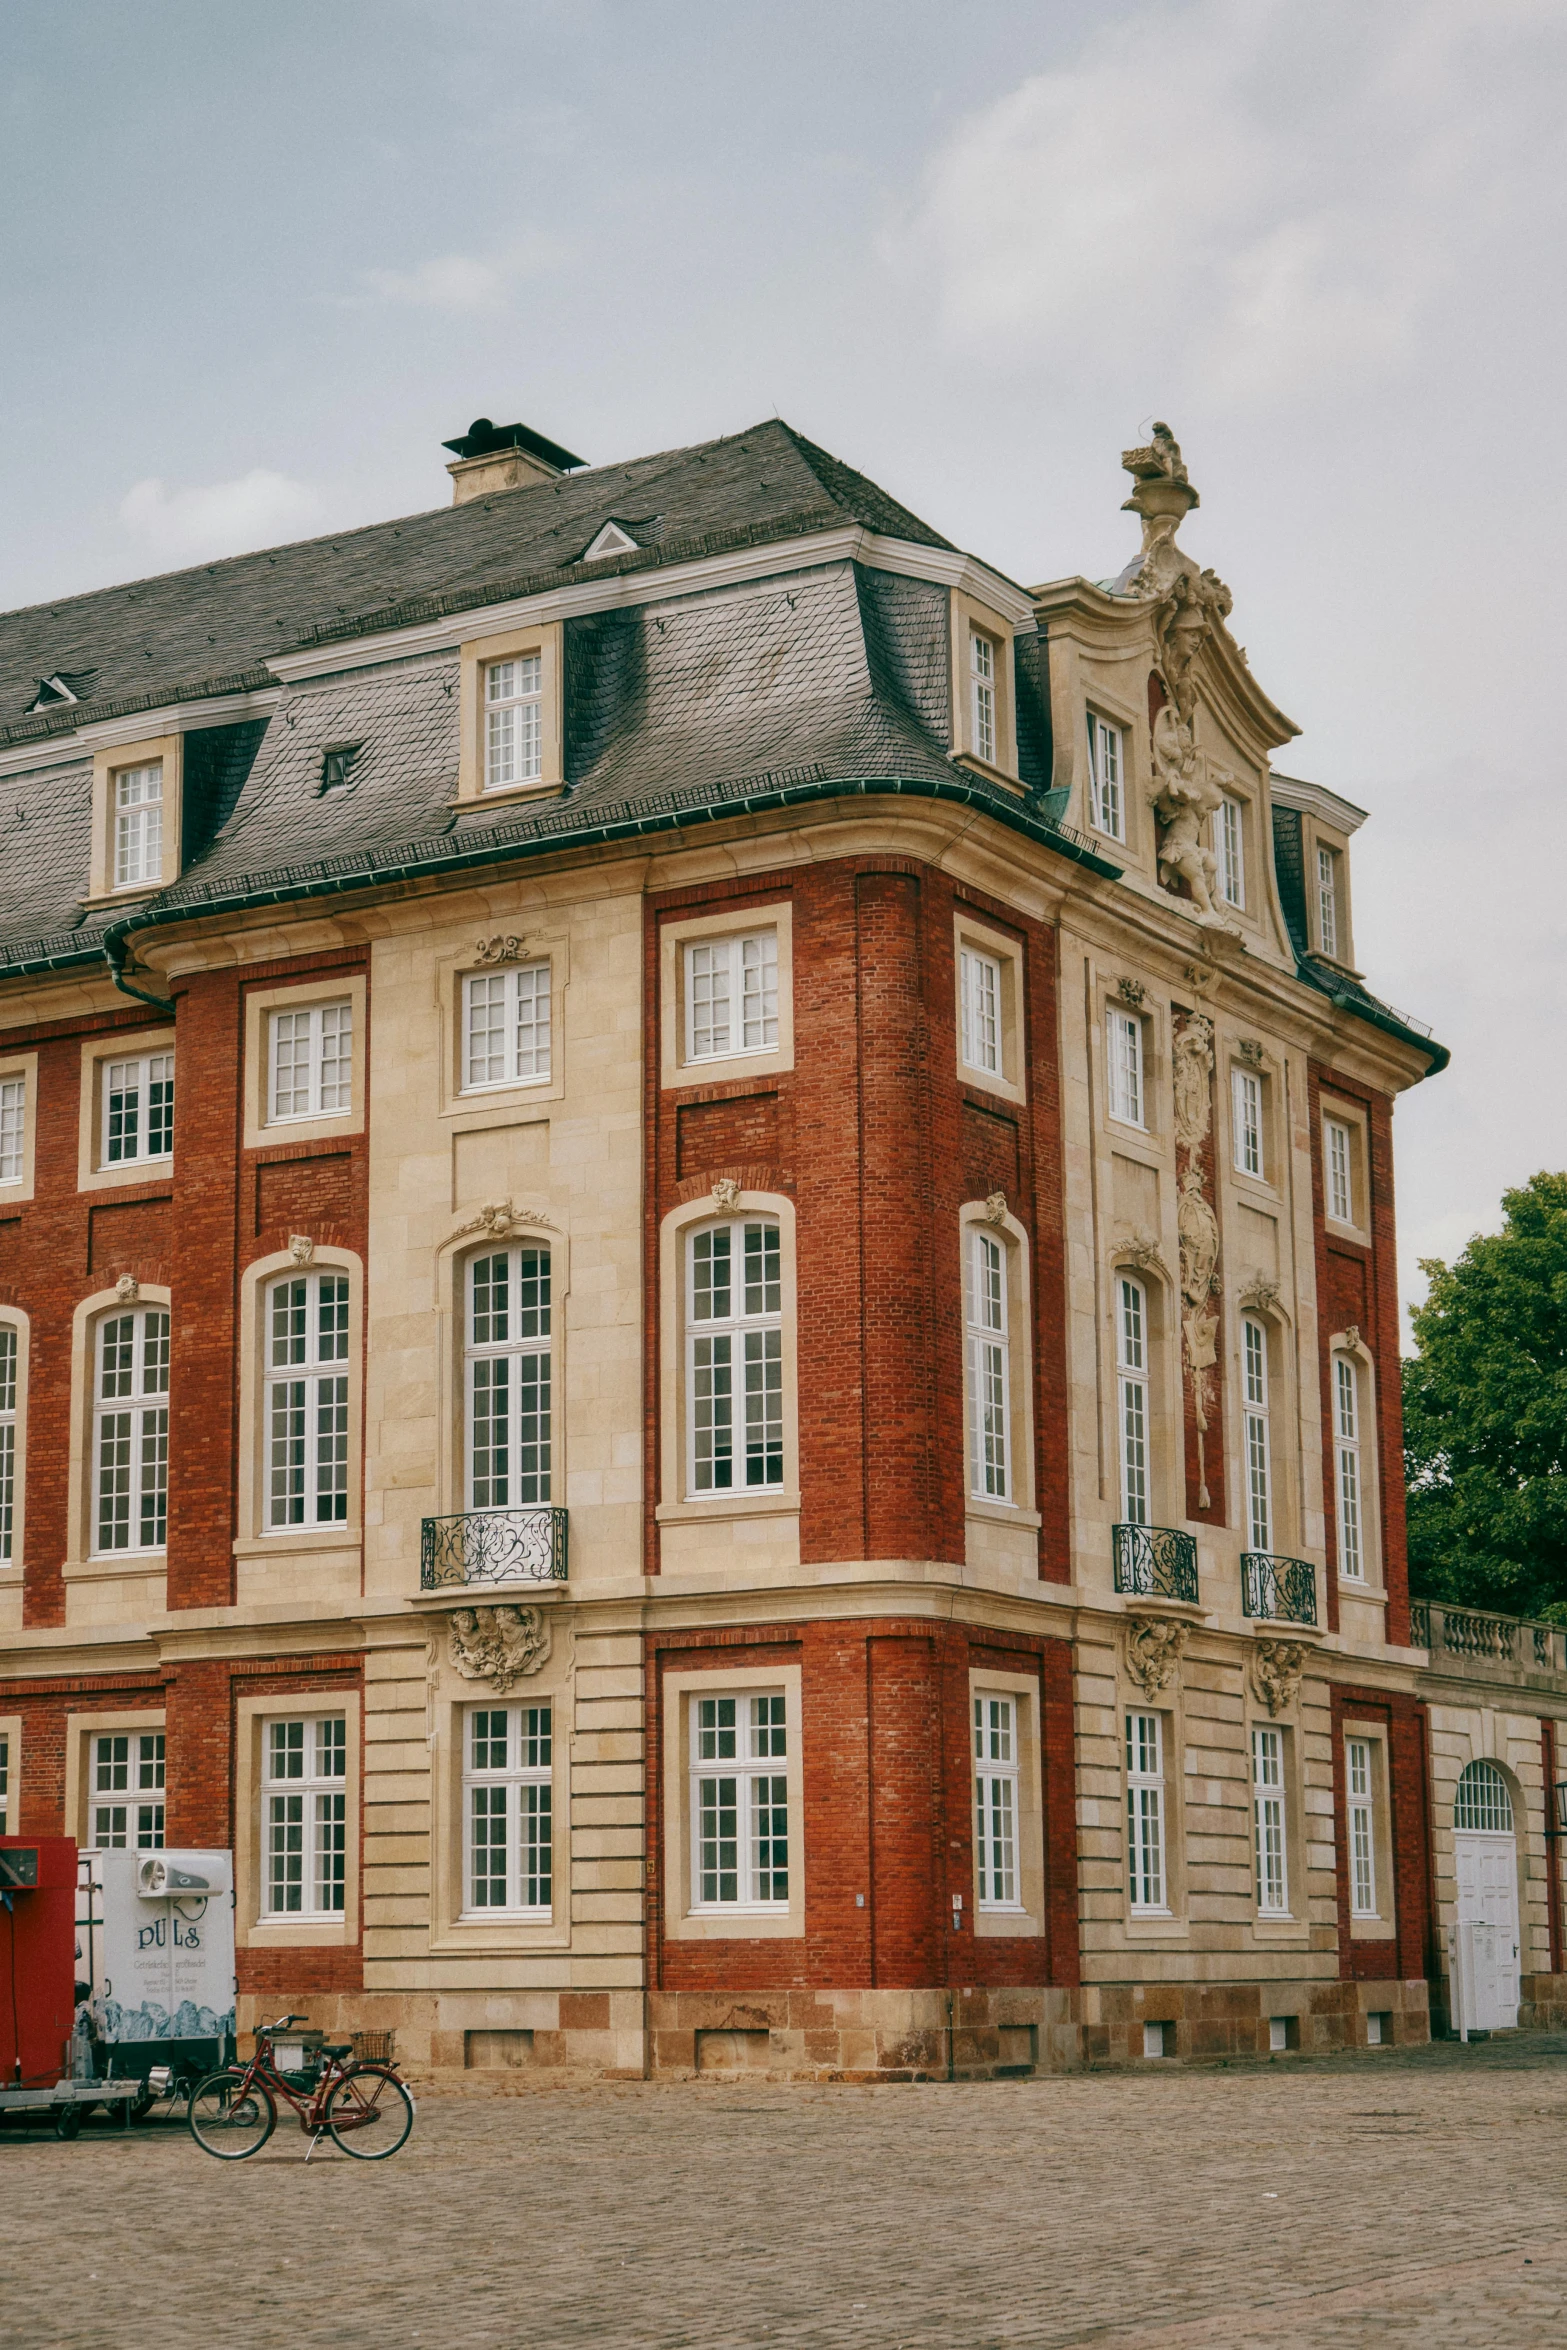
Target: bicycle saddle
346	2049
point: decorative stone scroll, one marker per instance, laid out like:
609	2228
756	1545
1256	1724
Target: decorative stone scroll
1276	1668
1154	1648
501	950
501	1219
1197	1226
498	1644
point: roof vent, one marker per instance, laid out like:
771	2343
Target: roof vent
65	685
504	457
613	539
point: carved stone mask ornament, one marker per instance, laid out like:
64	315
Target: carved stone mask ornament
498	1644
1276	1668
1154	1648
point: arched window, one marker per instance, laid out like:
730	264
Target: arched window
307	1401
1347	1469
508	1378
989	1370
131	1431
734	1357
1131	1386
1254	1389
1484	1801
8	1385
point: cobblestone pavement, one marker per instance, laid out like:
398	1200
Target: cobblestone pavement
1413	2196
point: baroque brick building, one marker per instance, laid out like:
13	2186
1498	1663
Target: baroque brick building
697	1299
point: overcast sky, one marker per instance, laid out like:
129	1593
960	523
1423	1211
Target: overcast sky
258	261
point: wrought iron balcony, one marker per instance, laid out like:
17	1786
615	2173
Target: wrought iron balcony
1155	1562
1285	1589
493	1546
1498	1647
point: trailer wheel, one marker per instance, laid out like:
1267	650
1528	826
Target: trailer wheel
68	2120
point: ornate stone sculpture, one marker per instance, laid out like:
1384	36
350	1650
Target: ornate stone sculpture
127	1289
1131	991
996	1208
1250	1051
1142	1249
1196	1225
1154	1648
726	1195
501	1219
1260	1294
1188	601
301	1247
1351	1334
1276	1668
498	1644
1193	1059
501	950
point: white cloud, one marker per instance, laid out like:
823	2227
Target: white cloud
463	281
223	518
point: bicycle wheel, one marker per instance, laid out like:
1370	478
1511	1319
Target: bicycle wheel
369	2113
228	2119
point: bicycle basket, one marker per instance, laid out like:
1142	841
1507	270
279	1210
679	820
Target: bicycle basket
374	2047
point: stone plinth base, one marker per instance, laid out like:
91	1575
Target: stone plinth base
1208	2020
863	2035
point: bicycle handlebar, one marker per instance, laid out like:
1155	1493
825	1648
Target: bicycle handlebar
283	2022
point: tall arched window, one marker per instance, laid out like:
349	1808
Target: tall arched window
1131	1387
508	1378
307	1401
8	1383
1484	1800
734	1356
1347	1469
131	1431
989	1370
1259	1472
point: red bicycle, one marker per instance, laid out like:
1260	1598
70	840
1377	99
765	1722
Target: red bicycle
362	2107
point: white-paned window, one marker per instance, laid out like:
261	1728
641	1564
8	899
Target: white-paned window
8	1382
1254	1390
996	1763
138	825
1267	1781
1131	1368
1327	900
509	1378
1124	1062
13	1128
307	1401
508	1809
506	1026
311	1061
513	721
979	988
1346	1445
989	1380
1341	1188
127	1791
1362	1829
5	1784
982	686
138	1109
131	1431
1145	1810
734	1356
304	1812
1246	1121
1106	759
731	995
1228	820
739	1802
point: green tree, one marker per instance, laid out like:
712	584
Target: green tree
1485	1415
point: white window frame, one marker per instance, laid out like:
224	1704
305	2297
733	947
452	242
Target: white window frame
1229	836
5	1782
10	1396
730	985
721	1409
138	1110
1270	1796
1106	777
747	1752
1147	1849
1328	924
139	1397
1125	1067
320	1788
506	1019
987	1315
328	1074
1256	1442
1246	1133
1133	1417
981	981
998	1802
305	1323
515	1363
13	1128
137	816
982	656
1360	1803
517	1796
127	1788
513	692
1338	1152
1349	1484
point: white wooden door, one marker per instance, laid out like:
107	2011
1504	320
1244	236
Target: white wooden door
1487	1867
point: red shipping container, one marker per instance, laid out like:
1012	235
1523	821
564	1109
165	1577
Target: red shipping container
37	1959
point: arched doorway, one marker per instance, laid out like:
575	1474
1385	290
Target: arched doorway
1485	1858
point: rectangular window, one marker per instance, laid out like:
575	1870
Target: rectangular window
8	1384
513	721
1362	1829
5	1784
1254	1386
138	826
510	1384
138	1109
509	1810
996	1761
1327	900
1267	1776
13	1128
988	1369
1145	1810
1131	1357
131	1432
1227	837
307	1401
1124	1061
506	1026
1106	809
310	1062
1346	1426
304	1817
1246	1121
979	987
731	995
128	1792
982	682
739	1802
734	1362
1341	1188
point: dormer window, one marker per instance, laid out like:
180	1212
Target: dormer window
138	826
982	681
513	722
1229	855
611	540
1327	900
1106	762
337	768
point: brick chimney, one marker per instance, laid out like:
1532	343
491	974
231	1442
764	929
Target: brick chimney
504	457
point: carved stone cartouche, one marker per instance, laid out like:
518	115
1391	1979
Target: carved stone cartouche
498	1644
1154	1648
1276	1669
